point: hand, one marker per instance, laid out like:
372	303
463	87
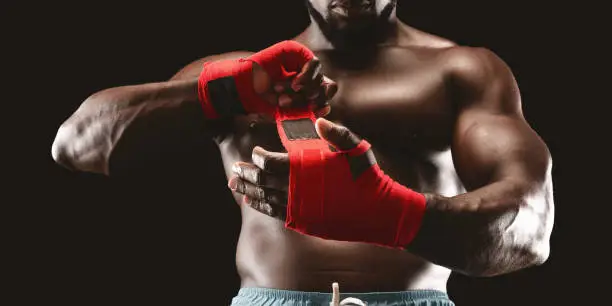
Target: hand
308	86
264	183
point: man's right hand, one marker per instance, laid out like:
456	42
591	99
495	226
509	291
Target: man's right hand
308	86
285	75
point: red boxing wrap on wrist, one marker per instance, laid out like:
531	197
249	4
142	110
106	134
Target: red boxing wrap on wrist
225	87
344	195
332	195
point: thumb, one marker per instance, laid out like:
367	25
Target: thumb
337	135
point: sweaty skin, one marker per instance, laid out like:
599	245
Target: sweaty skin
418	100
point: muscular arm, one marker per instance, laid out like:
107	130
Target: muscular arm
503	223
123	124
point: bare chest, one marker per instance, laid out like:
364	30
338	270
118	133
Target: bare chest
394	104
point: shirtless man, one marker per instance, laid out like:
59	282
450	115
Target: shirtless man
442	119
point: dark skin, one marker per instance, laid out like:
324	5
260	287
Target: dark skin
443	120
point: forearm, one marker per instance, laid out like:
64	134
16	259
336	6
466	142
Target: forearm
484	232
132	115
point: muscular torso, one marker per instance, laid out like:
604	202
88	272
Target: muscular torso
400	101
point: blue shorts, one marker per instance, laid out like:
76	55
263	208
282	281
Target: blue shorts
274	297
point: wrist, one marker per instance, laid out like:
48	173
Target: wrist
414	205
430	198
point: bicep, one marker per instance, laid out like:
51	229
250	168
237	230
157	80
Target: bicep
490	148
492	140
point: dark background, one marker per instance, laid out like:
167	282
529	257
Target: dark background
167	235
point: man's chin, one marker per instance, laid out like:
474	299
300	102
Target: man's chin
353	29
354	37
351	44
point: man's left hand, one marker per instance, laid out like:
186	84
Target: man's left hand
264	183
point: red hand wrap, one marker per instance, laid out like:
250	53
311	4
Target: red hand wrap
332	195
225	87
345	195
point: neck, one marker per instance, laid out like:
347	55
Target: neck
318	36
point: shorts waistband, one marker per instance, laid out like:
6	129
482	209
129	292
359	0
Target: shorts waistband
321	298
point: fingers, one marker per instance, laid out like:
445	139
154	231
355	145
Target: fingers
309	75
323	111
255	192
309	86
278	212
255	175
327	90
272	162
337	135
331	88
248	172
290	99
320	94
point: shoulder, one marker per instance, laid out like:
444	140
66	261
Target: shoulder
193	69
475	65
480	75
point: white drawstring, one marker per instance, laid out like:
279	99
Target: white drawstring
348	301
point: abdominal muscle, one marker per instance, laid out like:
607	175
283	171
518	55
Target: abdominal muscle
271	256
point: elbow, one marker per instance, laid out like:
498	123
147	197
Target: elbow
81	142
538	255
509	259
516	241
61	151
525	243
76	150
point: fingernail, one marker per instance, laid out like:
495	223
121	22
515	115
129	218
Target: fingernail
323	111
324	121
236	168
296	87
232	183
